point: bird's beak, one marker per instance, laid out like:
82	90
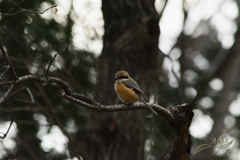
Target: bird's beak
116	78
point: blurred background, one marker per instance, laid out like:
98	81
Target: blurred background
201	43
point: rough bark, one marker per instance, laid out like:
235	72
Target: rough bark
180	147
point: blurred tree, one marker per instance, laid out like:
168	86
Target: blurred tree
130	43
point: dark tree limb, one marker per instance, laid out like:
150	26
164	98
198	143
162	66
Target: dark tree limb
6	95
50	64
163	9
180	147
180	88
7	68
10	125
8	61
17	6
50	107
29	92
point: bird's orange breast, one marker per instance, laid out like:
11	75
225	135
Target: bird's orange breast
125	94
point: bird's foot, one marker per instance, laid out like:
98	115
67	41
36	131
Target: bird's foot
128	104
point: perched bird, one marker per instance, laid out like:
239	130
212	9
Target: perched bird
128	90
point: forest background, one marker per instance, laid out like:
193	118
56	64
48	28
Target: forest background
94	39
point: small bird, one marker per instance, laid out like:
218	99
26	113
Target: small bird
128	90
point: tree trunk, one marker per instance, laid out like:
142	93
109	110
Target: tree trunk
130	43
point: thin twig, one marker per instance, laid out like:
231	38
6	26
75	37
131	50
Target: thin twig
22	100
50	64
5	55
72	143
15	7
26	10
7	68
48	8
12	120
29	92
180	89
60	82
29	11
6	95
163	9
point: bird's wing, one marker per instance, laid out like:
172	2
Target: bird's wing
133	86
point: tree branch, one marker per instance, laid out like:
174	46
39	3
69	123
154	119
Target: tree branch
7	60
47	9
12	120
27	10
180	89
7	68
163	9
180	148
6	95
50	64
16	6
89	102
72	144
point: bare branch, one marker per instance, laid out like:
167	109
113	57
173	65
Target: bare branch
16	6
27	10
56	119
180	89
48	8
163	9
89	102
5	55
12	120
63	84
10	11
5	97
23	100
50	64
83	101
30	94
7	68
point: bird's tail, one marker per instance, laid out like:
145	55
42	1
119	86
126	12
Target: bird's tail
142	100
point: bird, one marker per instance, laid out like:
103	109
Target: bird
128	91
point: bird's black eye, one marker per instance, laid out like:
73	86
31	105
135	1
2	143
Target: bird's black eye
123	77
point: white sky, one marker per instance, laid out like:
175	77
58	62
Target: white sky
88	20
201	124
